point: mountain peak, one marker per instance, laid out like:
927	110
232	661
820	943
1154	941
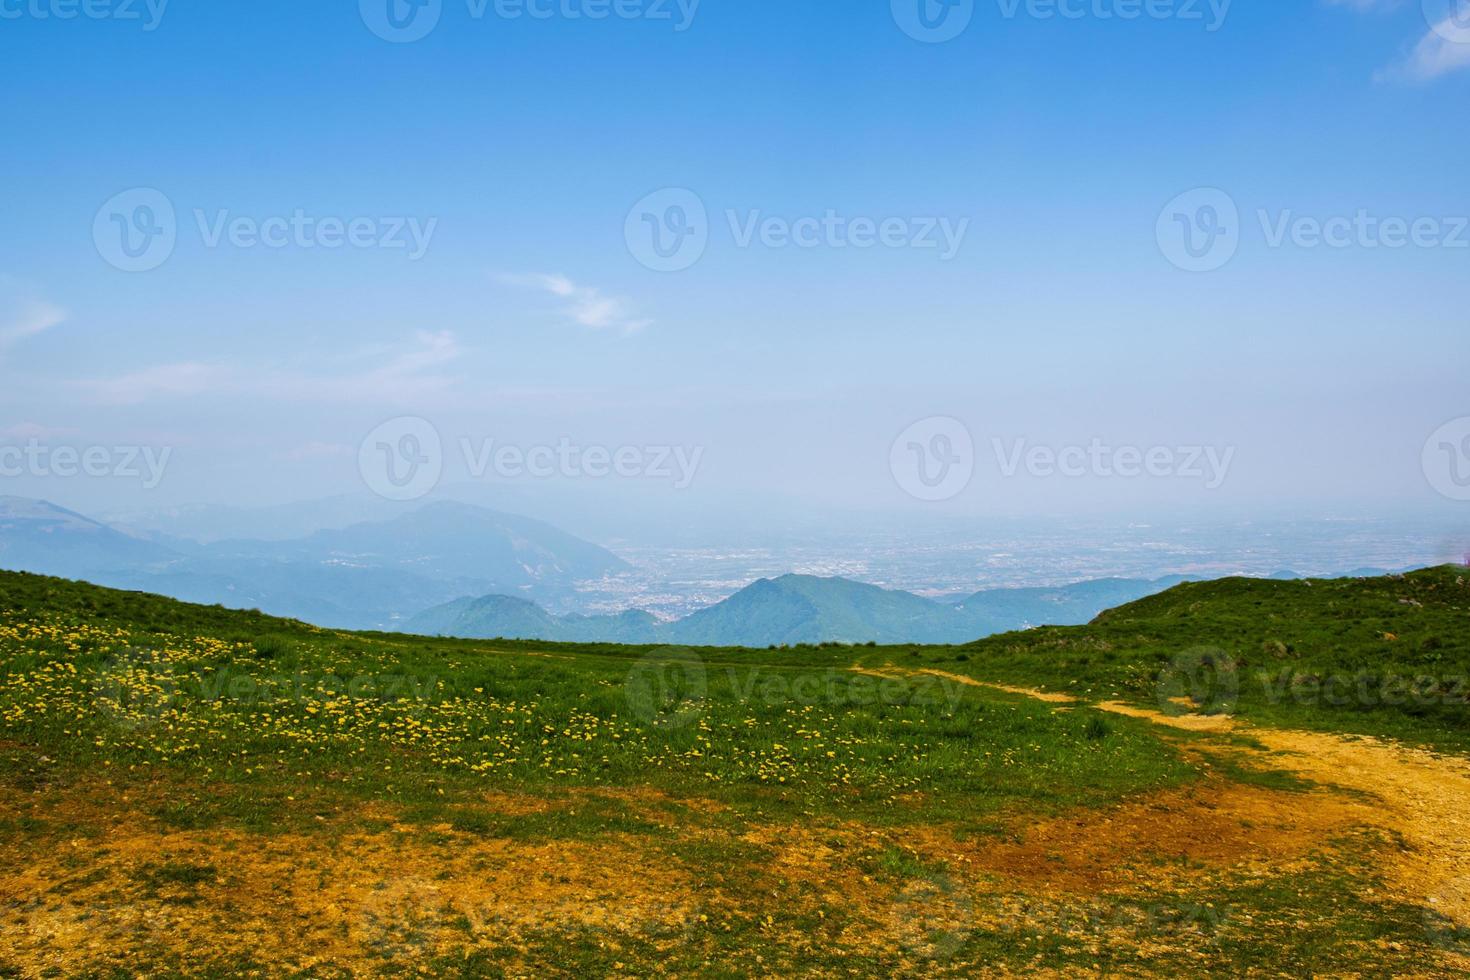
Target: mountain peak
453	508
28	508
44	511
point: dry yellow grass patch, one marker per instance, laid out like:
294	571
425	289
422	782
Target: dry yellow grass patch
353	902
1421	797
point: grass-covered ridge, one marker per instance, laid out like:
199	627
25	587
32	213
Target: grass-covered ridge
1388	656
133	683
179	782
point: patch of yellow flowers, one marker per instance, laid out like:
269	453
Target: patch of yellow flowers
212	704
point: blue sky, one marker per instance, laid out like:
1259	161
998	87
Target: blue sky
520	146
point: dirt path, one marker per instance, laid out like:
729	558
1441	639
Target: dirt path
1421	797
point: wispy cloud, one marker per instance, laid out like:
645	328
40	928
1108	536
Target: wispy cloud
405	372
27	321
162	380
586	306
1442	51
320	450
35	430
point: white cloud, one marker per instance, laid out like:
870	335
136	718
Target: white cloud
1445	49
586	306
404	373
167	380
320	450
28	321
35	430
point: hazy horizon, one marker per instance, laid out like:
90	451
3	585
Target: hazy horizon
707	238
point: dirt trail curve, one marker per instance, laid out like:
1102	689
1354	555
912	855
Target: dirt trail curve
1421	796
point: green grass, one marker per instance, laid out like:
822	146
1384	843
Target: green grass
1384	656
258	721
202	719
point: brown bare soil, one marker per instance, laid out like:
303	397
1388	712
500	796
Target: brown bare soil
358	899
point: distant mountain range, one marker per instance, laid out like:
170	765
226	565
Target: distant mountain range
411	571
39	537
797	609
365	576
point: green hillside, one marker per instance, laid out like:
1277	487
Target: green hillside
794	609
1387	655
105	677
178	781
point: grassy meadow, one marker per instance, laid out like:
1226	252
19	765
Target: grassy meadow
192	791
